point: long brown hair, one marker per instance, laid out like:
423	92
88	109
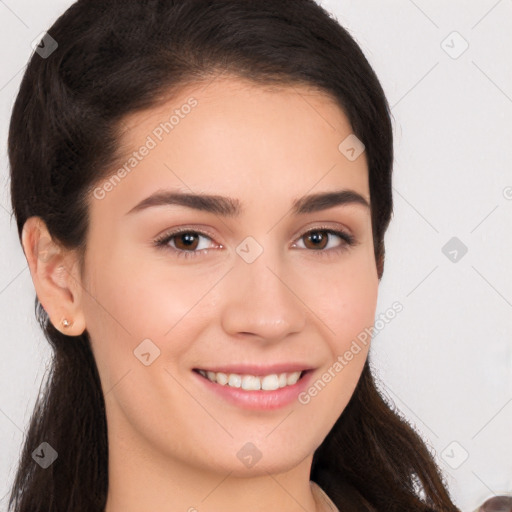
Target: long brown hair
117	57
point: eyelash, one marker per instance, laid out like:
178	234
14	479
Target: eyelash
162	242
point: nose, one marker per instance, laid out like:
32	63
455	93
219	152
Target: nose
263	300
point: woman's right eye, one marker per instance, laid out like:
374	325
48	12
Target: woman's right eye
187	239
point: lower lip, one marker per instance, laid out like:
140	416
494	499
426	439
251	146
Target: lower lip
260	400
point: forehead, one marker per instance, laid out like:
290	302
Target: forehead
233	137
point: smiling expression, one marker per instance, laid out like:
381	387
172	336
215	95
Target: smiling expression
241	241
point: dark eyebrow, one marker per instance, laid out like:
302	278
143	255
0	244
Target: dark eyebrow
228	207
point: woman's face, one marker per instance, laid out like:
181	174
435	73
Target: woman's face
258	280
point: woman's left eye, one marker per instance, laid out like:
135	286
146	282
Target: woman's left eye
319	237
187	244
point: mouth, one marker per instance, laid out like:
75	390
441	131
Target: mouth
251	382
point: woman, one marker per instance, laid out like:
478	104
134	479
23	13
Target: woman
202	191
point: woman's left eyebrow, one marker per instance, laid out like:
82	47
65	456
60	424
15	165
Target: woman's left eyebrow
229	207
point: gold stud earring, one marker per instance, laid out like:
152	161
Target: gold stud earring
65	323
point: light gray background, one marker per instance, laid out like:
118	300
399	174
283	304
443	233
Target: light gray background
445	360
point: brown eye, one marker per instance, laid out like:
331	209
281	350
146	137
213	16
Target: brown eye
318	239
186	241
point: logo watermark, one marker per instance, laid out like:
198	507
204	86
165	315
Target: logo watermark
355	348
152	140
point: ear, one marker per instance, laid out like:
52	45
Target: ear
56	276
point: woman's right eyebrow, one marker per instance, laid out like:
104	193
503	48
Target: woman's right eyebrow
229	207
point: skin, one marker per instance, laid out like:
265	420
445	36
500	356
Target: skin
173	443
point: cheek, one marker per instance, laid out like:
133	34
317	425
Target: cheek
345	299
348	311
353	306
346	303
125	307
131	296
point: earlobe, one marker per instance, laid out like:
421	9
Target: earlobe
57	285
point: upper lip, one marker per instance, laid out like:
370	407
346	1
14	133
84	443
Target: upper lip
256	369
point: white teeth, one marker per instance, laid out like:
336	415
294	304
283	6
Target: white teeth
220	378
235	381
271	382
293	378
251	382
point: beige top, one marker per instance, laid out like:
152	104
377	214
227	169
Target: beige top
322	499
